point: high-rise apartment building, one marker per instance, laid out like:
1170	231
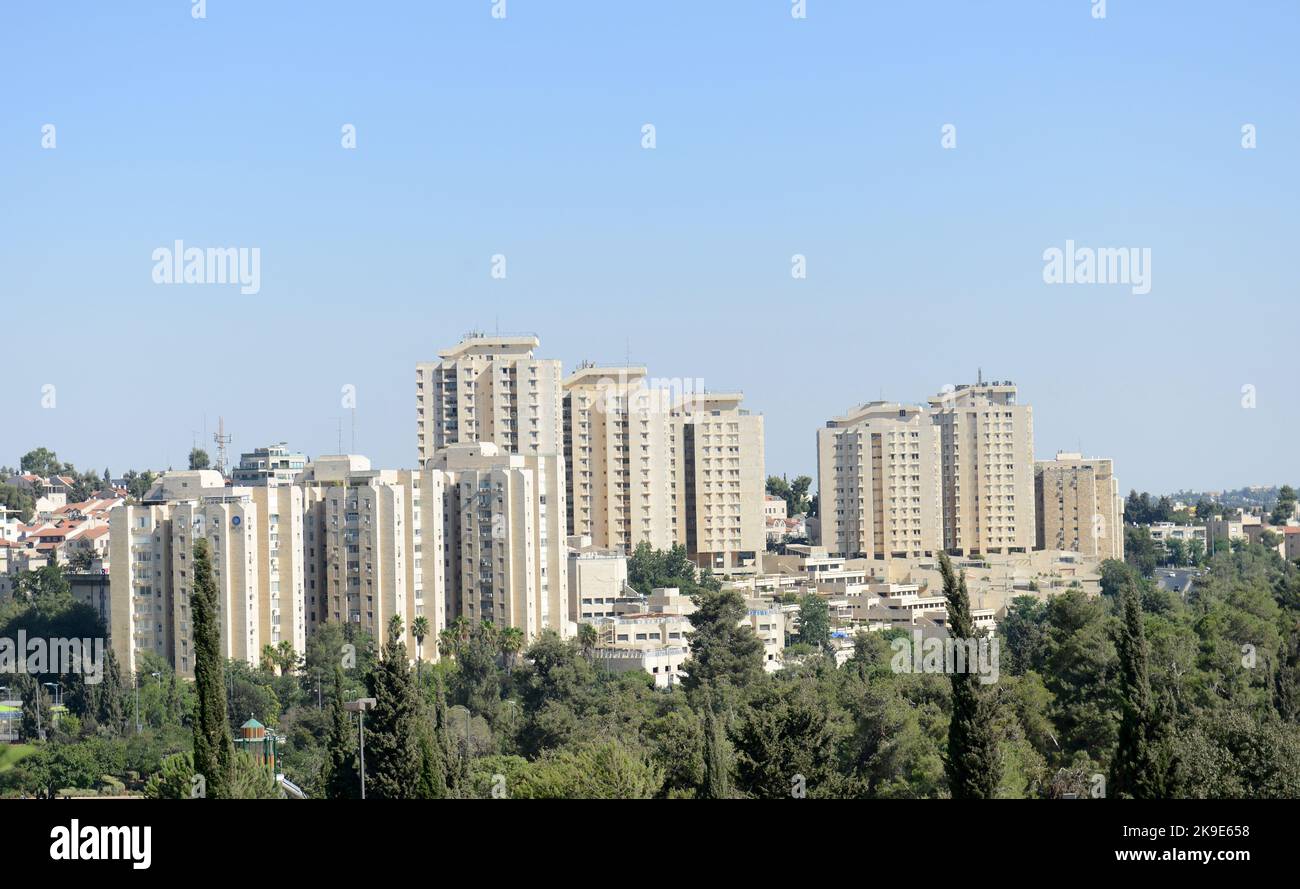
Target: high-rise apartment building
140	587
490	389
618	452
255	542
720	485
878	474
987	464
1078	506
504	522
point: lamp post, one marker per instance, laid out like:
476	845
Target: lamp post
360	706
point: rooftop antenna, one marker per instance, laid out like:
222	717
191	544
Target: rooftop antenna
222	439
340	421
979	376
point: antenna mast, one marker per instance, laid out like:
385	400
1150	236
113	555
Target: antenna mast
222	440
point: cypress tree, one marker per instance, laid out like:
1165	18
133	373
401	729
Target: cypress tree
108	696
392	749
1142	765
213	748
973	762
1286	695
433	764
37	717
717	769
456	763
339	773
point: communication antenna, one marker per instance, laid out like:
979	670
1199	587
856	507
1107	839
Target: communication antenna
222	439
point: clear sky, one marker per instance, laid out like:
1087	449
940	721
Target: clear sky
775	136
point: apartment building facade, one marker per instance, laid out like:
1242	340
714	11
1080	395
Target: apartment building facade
1078	507
619	456
879	483
721	482
505	519
254	537
490	389
986	443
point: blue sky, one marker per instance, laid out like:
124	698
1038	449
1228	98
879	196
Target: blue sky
775	136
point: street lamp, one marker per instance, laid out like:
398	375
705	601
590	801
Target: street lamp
458	709
360	706
58	692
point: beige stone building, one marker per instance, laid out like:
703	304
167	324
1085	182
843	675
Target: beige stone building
987	469
255	541
878	471
140	583
359	545
618	451
1078	507
597	579
490	389
720	482
504	519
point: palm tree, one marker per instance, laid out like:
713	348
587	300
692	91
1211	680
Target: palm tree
512	642
448	643
419	629
286	657
460	626
269	658
587	639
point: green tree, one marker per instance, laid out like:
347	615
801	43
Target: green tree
973	763
42	462
815	622
784	742
717	756
392	751
1140	768
420	630
1140	550
607	769
199	459
37	721
726	655
1284	509
213	747
339	773
15	498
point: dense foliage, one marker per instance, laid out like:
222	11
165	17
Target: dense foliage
1139	692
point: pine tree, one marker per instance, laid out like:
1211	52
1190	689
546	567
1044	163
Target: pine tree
339	772
973	762
392	749
213	748
1142	765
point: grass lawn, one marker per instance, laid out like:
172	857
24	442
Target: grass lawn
12	754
